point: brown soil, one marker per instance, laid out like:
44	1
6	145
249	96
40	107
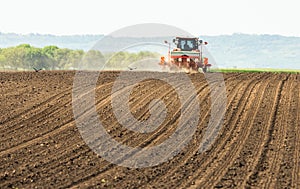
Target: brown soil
258	145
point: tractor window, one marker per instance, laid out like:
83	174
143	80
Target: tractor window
187	44
190	44
183	44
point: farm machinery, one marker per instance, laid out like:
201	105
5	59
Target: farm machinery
187	55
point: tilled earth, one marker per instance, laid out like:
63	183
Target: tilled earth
258	144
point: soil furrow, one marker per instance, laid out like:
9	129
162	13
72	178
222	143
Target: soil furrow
260	163
236	132
243	124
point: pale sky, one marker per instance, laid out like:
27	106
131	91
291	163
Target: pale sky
198	17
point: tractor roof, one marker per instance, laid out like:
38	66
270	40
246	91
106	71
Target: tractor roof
186	37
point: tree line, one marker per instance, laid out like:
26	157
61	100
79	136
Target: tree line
27	57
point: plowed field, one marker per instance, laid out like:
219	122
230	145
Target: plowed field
257	146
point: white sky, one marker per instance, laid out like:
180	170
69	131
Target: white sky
209	17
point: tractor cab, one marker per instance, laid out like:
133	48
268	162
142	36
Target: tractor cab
186	44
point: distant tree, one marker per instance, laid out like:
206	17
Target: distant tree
51	53
14	57
37	59
62	57
74	59
23	51
2	60
93	60
119	60
28	57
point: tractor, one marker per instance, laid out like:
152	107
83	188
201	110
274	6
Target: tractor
186	56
